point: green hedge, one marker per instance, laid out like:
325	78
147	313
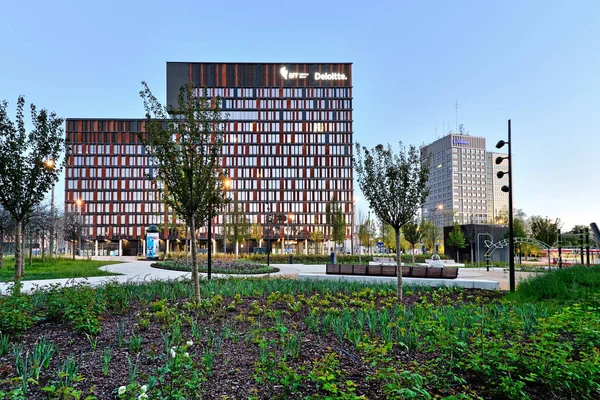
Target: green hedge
341	259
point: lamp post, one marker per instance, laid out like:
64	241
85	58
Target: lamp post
508	189
50	165
79	203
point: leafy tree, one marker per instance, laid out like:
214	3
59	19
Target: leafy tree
395	185
367	232
412	233
387	236
572	238
334	217
24	173
544	229
317	237
456	239
520	228
185	146
430	233
256	233
238	226
7	228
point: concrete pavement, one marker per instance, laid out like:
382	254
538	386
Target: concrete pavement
132	270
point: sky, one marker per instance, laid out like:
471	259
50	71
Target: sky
534	62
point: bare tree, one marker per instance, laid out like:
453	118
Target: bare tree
71	227
395	185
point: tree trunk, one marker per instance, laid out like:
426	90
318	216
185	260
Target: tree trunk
457	260
30	247
73	248
1	250
413	255
18	250
472	253
195	277
236	248
42	237
399	263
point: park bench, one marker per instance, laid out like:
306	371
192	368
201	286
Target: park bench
391	270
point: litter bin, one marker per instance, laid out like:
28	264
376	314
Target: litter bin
332	257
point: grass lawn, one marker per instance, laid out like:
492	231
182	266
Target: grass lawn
55	268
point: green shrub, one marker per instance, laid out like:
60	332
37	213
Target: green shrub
17	313
78	304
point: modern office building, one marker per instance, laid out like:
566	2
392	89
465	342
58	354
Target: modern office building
457	181
463	185
287	148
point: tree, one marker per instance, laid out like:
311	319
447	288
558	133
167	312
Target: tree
7	228
185	147
238	227
72	225
395	185
256	233
412	233
387	236
334	218
366	232
317	237
430	233
544	229
456	239
25	176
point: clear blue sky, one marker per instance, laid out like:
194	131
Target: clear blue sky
535	62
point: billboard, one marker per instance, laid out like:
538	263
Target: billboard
152	242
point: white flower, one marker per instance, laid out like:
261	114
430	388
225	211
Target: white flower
142	396
122	390
173	354
187	354
144	389
190	343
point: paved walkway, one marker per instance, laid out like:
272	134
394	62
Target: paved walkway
132	270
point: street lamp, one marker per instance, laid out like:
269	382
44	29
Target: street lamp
79	203
508	189
50	165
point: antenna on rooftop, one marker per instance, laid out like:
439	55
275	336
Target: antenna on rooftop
456	113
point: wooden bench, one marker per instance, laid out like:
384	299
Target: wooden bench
389	270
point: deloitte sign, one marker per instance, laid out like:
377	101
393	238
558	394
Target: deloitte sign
319	76
326	76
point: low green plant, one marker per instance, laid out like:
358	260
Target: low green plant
106	355
17	313
41	357
135	343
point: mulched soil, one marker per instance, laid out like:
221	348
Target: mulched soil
232	377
